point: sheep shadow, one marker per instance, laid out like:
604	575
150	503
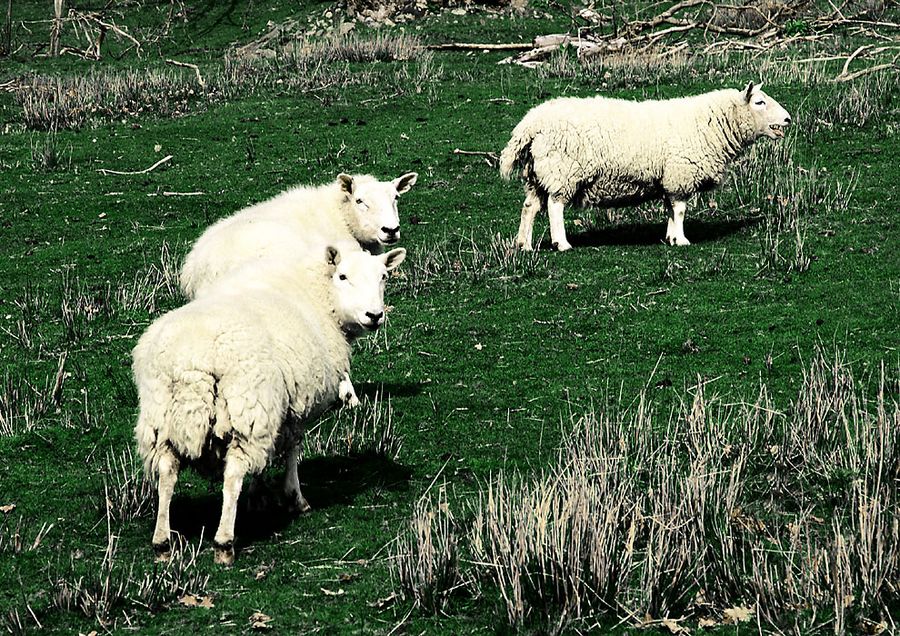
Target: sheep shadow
325	482
654	233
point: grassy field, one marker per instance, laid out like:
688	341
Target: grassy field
625	436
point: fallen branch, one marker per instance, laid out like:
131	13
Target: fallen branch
865	71
845	75
473	46
144	171
189	65
490	157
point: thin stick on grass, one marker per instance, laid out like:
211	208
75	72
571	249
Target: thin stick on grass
156	165
191	66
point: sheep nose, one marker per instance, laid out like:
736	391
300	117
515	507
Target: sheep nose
391	231
787	120
375	318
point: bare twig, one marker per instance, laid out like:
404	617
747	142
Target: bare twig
188	65
474	46
490	157
866	71
144	171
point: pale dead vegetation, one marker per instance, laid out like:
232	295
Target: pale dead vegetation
425	557
456	257
367	429
128	493
21	535
303	66
718	513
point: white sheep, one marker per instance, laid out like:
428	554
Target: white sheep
230	379
351	208
606	152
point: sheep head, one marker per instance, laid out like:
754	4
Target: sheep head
374	206
769	117
358	280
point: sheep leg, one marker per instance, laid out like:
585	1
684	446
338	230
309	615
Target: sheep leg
557	224
675	227
235	469
347	392
530	208
292	480
168	477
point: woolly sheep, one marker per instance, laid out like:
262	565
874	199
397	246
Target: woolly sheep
356	208
229	380
606	152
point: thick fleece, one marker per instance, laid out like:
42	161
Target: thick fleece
229	379
610	152
304	219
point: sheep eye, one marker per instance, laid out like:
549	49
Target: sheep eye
359	201
343	277
761	103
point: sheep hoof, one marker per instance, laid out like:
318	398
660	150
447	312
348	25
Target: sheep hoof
224	553
163	551
677	240
563	246
525	247
298	503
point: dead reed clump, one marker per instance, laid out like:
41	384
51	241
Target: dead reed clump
717	513
24	406
48	155
66	102
788	196
367	429
57	103
425	558
101	591
458	256
127	492
21	535
623	69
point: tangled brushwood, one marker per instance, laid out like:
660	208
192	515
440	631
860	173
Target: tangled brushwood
720	513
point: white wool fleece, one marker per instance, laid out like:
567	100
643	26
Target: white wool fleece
607	152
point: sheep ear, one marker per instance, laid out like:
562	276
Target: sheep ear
404	183
346	182
332	256
748	92
393	258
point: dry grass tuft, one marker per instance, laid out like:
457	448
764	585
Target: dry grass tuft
790	517
24	406
788	196
128	493
101	590
57	103
426	555
367	429
21	535
48	155
457	256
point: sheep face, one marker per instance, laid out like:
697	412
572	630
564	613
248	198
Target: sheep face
374	204
769	117
358	279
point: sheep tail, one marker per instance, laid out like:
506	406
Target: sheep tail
516	151
179	415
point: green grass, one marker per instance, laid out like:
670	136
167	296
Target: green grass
484	359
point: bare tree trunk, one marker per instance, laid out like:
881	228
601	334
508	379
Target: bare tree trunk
56	29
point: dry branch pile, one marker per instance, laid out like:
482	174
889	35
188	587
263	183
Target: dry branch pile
759	26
